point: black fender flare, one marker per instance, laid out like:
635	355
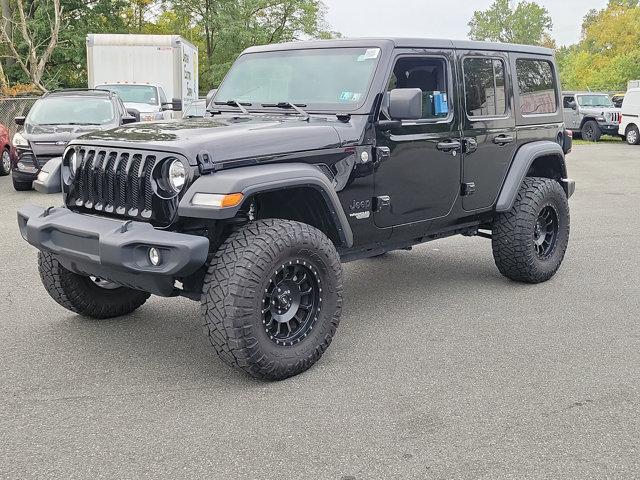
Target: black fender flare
524	158
263	178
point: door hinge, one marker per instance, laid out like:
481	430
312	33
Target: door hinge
381	202
468	189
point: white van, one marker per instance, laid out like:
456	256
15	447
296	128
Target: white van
630	124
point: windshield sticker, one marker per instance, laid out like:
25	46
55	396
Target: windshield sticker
370	54
350	97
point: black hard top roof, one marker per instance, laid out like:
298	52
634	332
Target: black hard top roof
405	43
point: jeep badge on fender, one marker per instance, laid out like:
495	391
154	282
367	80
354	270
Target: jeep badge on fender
338	150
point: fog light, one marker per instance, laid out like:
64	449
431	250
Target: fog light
154	256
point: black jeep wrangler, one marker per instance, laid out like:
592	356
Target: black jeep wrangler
312	154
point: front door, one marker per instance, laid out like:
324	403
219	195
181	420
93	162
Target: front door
489	128
570	114
420	180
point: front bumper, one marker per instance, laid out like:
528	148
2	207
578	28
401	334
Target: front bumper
609	129
112	249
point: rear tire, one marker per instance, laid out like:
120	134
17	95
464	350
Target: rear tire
632	135
22	186
529	241
5	163
272	298
591	131
82	295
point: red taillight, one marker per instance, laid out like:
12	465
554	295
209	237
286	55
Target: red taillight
620	118
569	133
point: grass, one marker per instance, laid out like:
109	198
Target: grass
603	139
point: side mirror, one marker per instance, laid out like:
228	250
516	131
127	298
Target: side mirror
405	104
134	113
175	105
20	120
573	105
210	95
129	119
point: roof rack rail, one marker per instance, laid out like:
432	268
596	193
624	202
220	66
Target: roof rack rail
70	90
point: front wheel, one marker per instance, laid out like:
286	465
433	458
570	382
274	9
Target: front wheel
89	296
272	298
633	135
530	240
591	131
5	163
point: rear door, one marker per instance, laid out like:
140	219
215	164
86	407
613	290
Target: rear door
488	126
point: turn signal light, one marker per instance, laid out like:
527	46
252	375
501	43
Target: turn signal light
217	200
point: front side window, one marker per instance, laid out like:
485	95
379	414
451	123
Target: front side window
536	85
324	79
133	93
429	74
485	87
71	111
567	102
598	100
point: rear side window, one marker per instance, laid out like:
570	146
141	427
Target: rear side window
485	88
536	85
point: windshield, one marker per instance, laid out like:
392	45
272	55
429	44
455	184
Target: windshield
595	101
133	93
195	109
324	79
80	110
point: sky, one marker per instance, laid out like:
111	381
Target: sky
441	18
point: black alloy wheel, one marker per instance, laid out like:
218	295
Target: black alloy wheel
291	302
545	232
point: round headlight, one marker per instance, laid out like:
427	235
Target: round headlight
177	175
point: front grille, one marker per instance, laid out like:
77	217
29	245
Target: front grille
119	183
613	117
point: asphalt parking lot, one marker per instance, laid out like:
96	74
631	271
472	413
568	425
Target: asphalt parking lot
441	367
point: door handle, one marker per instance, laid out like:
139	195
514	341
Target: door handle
503	139
448	145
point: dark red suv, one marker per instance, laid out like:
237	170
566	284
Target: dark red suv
5	150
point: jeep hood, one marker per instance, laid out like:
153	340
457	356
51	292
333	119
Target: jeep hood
224	138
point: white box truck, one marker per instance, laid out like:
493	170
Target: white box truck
153	74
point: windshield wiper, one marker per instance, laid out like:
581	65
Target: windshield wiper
235	103
289	105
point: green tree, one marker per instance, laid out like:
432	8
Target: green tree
608	55
528	23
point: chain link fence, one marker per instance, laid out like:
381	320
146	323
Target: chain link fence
14	107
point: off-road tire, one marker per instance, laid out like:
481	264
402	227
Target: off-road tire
632	135
22	186
5	163
513	232
81	295
234	292
591	131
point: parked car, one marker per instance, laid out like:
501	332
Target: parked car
56	118
195	109
147	100
5	150
630	124
590	114
337	151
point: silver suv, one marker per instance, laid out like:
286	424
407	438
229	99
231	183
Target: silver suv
590	114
